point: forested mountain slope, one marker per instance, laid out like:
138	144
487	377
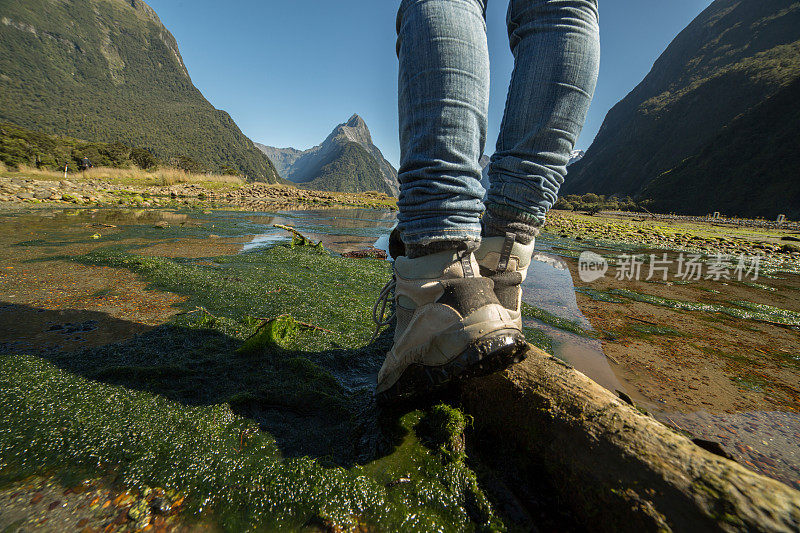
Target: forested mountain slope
108	70
734	57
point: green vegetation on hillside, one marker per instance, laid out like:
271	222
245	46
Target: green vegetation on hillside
730	59
750	169
352	170
24	147
594	203
108	71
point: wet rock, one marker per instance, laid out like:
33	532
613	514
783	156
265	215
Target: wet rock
162	224
140	514
70	198
25	196
790	248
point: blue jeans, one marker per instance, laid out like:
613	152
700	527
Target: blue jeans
444	102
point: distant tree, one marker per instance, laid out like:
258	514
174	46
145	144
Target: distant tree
562	203
591	198
116	154
143	158
187	164
225	169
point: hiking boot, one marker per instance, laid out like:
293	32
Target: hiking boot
505	261
450	326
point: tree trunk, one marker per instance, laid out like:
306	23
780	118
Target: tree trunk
616	467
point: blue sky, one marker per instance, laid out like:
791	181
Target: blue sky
288	71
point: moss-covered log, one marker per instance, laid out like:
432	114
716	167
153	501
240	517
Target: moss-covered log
619	468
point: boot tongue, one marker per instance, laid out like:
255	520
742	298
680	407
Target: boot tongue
493	249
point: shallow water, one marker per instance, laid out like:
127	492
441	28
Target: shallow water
267	421
725	310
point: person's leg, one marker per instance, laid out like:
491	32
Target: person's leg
556	51
449	323
443	105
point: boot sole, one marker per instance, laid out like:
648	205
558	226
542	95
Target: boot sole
488	355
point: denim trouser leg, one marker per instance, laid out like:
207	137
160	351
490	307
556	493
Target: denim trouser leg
443	104
556	51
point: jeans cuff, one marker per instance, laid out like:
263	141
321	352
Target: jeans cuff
514	214
425	238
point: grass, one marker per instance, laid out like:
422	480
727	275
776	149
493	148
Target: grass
132	176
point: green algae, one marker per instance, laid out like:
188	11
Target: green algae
573	326
648	329
538	338
759	286
751	383
599	296
787	359
225	464
272	334
743	310
768	313
256	403
442	428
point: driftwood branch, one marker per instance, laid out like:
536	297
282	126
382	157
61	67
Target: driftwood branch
618	468
300	236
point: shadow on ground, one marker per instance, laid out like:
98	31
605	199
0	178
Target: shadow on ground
293	395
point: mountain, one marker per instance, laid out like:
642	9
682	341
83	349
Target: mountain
575	156
109	71
712	84
346	161
751	169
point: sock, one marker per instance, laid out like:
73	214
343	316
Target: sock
496	225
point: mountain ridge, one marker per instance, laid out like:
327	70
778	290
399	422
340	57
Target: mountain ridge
317	167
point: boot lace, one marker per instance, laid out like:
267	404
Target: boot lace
379	309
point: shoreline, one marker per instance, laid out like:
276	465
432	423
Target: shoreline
26	191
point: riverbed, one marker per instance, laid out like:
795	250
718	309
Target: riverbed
714	358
